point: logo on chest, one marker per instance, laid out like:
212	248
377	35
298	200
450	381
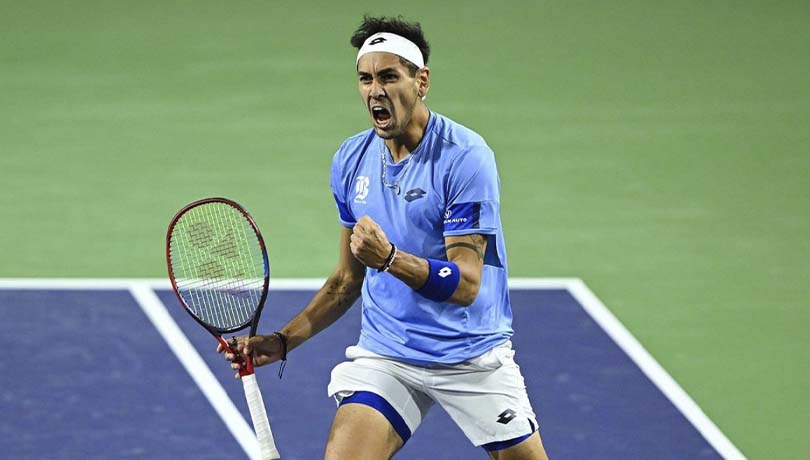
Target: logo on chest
361	189
414	194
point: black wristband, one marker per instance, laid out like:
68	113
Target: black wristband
389	260
283	339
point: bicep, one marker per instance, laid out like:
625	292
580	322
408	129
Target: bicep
466	250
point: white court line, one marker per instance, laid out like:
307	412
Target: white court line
196	367
115	284
286	284
592	305
661	378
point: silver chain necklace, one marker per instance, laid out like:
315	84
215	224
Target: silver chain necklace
384	175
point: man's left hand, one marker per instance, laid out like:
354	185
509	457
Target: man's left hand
369	243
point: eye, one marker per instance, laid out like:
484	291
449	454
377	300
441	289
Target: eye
364	78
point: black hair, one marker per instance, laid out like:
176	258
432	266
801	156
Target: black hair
395	25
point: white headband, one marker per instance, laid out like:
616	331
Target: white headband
392	43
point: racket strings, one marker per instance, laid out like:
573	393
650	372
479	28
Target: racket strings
218	264
193	273
228	248
221	278
227	266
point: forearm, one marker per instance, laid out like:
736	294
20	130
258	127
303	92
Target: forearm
330	303
414	272
456	280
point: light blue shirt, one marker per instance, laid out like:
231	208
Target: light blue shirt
448	186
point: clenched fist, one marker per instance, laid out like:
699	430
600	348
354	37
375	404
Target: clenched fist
369	243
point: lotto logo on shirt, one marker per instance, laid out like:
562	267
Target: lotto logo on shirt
462	216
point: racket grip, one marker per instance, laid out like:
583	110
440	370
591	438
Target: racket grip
258	414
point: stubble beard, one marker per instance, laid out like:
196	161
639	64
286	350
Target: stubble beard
397	131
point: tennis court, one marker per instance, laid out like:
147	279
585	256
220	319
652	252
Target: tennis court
124	373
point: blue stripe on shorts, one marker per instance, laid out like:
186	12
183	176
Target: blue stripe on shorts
377	402
508	443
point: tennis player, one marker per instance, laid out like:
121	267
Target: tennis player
422	245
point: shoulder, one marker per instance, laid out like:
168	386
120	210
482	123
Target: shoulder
462	152
349	156
354	146
460	141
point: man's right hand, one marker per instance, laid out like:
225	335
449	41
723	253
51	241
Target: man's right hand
264	349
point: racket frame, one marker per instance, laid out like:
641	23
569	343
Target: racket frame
247	367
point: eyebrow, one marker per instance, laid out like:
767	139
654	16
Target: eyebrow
380	72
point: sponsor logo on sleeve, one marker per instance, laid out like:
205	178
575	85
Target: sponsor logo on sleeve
462	216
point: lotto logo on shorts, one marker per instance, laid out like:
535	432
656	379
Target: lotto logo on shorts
506	416
445	272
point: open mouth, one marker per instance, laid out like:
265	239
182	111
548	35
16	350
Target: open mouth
381	116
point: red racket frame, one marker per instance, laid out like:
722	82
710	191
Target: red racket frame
247	364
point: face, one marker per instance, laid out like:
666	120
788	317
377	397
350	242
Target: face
389	92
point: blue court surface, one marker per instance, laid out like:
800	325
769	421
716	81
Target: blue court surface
115	369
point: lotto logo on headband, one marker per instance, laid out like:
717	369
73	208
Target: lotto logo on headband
462	216
392	43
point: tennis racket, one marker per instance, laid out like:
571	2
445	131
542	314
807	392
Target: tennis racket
220	272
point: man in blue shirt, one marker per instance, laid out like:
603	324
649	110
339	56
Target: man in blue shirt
418	197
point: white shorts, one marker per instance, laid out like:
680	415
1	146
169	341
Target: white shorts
485	396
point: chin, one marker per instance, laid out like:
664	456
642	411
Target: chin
386	133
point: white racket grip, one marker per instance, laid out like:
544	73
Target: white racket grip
267	446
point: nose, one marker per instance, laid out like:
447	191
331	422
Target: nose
376	90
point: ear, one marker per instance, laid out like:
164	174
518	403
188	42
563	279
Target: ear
423	81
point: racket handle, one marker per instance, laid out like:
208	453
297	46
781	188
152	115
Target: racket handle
258	413
246	364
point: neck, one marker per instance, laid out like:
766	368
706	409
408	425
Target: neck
409	140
